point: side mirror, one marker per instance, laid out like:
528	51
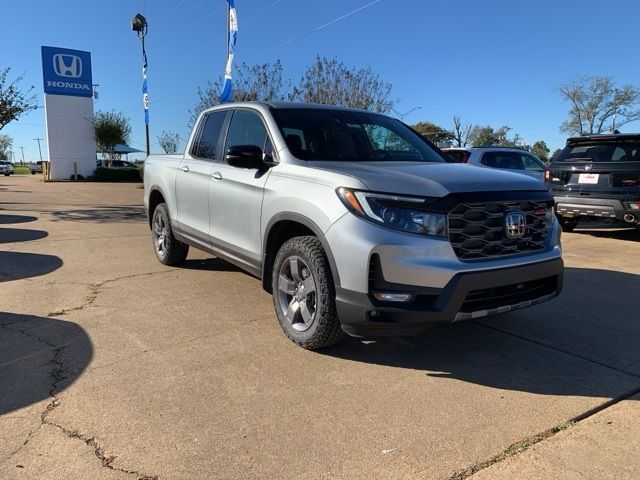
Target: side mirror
245	156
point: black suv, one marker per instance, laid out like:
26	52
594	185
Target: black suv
597	177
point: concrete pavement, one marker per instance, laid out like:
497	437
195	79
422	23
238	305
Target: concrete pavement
114	366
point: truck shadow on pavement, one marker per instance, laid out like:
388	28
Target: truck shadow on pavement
13	219
39	357
14	235
212	264
102	214
583	343
17	265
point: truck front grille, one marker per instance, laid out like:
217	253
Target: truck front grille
478	230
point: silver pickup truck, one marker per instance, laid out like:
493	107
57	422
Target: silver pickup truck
353	222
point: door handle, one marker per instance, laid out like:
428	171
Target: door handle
185	168
216	176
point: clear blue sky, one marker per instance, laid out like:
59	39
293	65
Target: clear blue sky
492	62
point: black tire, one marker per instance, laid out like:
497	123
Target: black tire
168	250
568	224
7	174
324	327
33	172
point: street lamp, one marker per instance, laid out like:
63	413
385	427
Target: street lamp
140	26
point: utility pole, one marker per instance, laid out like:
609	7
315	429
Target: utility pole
39	149
22	148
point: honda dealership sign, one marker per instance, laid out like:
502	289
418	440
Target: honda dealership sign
68	103
66	72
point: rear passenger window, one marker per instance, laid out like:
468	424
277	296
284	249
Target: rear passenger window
506	160
246	128
532	164
206	145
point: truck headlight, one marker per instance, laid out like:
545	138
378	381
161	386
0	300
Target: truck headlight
407	214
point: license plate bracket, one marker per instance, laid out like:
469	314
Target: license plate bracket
589	178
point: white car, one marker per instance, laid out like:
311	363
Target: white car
6	168
505	158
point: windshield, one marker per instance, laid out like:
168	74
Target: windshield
319	134
601	152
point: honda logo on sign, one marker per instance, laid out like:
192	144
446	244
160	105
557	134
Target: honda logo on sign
515	224
69	66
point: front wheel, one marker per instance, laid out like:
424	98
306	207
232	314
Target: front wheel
304	294
168	250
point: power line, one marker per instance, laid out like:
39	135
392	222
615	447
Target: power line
260	11
305	34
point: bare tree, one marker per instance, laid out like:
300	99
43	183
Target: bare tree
263	82
329	81
460	133
13	101
169	141
596	104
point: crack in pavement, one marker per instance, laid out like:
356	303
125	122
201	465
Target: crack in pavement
58	374
96	288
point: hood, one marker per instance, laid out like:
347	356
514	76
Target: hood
429	179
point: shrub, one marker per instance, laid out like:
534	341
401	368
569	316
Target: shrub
106	174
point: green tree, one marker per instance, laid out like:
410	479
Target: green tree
262	82
597	105
328	81
111	129
169	141
433	132
5	146
487	136
14	101
540	150
555	154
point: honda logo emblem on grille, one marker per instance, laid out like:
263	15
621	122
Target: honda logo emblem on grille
515	224
67	65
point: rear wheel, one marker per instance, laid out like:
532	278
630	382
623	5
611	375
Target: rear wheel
304	294
568	224
168	250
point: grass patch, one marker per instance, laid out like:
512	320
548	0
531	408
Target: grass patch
21	169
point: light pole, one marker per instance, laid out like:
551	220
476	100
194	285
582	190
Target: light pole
22	148
402	115
140	26
39	149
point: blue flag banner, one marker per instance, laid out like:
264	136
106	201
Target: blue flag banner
145	94
227	90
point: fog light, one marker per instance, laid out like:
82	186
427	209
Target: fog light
392	297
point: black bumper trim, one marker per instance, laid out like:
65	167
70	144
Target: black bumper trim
612	208
356	310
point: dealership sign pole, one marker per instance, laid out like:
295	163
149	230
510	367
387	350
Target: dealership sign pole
140	26
232	34
68	102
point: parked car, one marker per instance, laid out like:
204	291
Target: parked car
6	168
513	159
36	167
597	177
116	164
353	222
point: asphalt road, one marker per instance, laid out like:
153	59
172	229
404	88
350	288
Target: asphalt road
114	366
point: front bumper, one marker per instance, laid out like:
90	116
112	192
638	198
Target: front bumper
467	296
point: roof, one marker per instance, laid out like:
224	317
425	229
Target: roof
289	105
604	137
